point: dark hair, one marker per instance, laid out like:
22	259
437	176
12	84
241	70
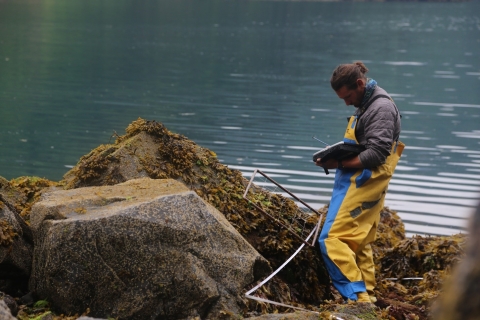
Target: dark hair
347	75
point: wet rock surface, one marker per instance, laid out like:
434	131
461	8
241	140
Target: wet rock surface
143	249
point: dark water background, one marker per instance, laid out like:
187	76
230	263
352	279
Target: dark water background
248	80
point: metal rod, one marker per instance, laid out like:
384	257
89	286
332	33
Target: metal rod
320	141
284	189
275	220
249	184
315	237
251	291
279	223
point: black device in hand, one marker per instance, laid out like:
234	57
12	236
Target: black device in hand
338	151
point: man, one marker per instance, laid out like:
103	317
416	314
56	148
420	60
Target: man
361	182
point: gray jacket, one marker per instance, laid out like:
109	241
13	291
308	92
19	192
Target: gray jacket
377	128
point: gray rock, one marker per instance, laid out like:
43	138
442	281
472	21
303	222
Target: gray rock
16	256
10	303
122	162
5	313
27	299
15	251
143	249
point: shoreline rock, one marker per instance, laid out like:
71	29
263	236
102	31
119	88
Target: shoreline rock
149	150
124	251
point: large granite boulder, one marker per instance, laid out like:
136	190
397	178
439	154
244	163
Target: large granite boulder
16	243
149	149
143	249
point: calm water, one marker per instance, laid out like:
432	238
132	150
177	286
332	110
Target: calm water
248	80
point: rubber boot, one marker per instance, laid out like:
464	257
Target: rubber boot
363	297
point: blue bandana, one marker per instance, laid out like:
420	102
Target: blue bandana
369	88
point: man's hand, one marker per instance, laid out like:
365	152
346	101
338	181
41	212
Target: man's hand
329	164
351	163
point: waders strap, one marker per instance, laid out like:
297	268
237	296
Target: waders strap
369	103
362	110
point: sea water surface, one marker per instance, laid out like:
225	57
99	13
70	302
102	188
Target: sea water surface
250	81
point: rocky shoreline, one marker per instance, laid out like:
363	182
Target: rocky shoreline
83	246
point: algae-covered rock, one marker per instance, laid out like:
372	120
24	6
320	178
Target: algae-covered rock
149	149
418	255
143	249
31	188
16	245
10	198
429	261
390	232
352	311
15	249
10	195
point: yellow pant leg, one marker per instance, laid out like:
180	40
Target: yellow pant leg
367	267
350	226
364	256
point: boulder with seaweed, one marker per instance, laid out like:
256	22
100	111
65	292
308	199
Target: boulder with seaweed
16	242
413	257
149	149
16	239
31	188
390	232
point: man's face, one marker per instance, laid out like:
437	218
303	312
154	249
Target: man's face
352	96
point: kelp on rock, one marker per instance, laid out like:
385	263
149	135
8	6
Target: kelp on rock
158	153
149	149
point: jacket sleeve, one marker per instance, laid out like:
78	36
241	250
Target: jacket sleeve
379	126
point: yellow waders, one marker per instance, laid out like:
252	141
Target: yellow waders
352	220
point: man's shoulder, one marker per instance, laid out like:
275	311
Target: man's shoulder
380	92
381	103
380	98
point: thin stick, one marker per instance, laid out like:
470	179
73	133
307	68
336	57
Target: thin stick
320	141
